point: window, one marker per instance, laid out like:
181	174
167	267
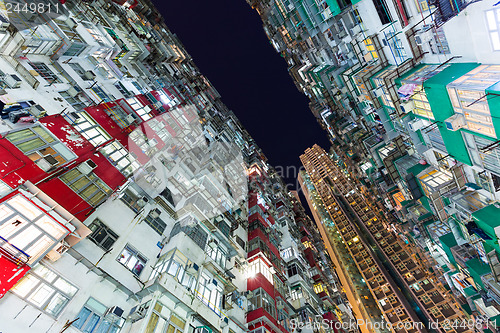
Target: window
493	21
157	323
259	266
102	235
101	94
89	128
29	229
174	263
44	71
41	147
121	88
74	50
78	70
91	319
218	255
90	187
210	293
45	290
73	101
132	259
382	11
142	110
370	47
195	232
120	158
155	222
261	299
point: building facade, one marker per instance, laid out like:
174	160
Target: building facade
131	197
407	91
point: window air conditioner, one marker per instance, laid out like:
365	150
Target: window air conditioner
192	268
12	81
137	313
129	120
213	244
407	106
455	122
89	76
378	92
87	167
47	163
142	201
71	23
423	38
115	311
416	124
72	92
224	322
155	213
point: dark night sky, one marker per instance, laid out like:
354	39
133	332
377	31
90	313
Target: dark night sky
228	44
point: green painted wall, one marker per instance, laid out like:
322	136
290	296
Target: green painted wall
494	104
334	6
448	241
435	90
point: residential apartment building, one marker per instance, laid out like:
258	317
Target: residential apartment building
131	197
407	91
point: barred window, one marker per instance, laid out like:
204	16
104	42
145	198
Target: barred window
102	235
44	71
155	222
90	187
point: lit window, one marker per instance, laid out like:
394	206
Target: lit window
120	158
90	129
29	229
132	259
144	111
45	290
493	22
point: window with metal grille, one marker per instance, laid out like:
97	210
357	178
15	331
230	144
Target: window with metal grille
45	290
102	235
155	222
73	101
44	71
90	129
90	187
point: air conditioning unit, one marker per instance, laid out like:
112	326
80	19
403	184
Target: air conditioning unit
89	76
416	124
71	23
423	38
280	306
57	252
37	110
129	119
378	92
13	81
155	213
455	122
138	312
142	201
224	322
114	311
407	106
72	92
192	268
87	167
47	163
212	285
356	30
213	244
